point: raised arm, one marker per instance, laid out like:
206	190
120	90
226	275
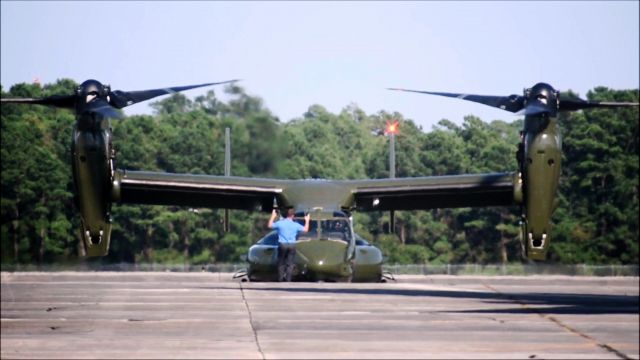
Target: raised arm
274	214
307	219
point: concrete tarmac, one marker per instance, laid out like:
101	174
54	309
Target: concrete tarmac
111	315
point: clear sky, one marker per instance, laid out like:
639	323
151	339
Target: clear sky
296	54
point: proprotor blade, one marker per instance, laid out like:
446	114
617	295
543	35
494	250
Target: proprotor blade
579	104
512	103
120	99
62	101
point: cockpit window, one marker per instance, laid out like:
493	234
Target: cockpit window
328	229
313	229
542	98
361	241
92	95
269	239
336	230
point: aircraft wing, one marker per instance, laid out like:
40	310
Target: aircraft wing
435	192
224	192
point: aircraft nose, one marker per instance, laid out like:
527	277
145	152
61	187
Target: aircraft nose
322	253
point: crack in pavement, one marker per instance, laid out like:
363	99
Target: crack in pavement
559	323
253	328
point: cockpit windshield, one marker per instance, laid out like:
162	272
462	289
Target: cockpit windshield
326	229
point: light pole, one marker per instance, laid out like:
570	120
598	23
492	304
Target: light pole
392	130
227	172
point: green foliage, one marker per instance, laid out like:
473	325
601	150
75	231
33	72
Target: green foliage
598	211
596	220
36	197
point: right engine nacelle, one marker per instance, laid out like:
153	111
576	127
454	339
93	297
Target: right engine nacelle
92	166
540	166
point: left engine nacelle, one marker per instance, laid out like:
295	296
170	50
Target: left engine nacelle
92	166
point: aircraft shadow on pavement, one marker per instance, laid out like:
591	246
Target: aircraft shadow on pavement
548	303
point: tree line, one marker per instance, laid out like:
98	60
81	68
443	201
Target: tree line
596	220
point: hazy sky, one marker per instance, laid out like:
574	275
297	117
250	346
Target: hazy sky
295	54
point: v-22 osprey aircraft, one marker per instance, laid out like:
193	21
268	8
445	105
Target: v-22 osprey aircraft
99	183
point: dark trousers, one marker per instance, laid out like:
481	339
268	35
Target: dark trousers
286	254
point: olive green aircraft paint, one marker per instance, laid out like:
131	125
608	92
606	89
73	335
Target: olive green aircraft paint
316	259
98	184
368	262
142	187
542	161
320	255
92	157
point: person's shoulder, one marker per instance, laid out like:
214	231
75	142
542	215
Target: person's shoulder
292	223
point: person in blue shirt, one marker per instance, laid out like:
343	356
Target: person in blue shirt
287	233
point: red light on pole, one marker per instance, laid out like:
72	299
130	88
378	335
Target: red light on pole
392	127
